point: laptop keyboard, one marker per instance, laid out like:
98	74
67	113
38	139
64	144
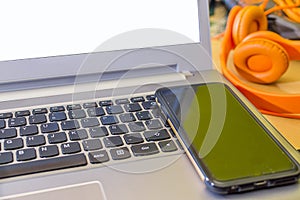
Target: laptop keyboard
81	134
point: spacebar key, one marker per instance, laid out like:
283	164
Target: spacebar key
42	165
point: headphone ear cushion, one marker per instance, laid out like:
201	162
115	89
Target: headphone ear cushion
260	60
248	20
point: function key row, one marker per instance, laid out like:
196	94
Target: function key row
129	108
58	114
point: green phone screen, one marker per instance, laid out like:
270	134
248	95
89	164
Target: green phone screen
228	139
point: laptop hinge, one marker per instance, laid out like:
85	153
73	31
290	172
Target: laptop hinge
82	77
94	86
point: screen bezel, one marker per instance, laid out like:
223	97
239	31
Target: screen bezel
231	186
35	69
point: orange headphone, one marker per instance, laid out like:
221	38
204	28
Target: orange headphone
260	56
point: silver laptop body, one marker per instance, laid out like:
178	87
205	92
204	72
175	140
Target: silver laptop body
113	75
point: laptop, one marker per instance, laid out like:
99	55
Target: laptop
78	115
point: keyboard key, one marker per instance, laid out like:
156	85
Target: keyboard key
144	149
39	111
115	109
98	132
127	117
28	130
38	140
149	105
120	153
57	109
5	157
113	141
78	134
133	138
106	103
122	101
6	115
156	135
89	122
37	119
143	115
92	144
18	121
8	133
48	151
158	114
90	105
118	129
167	146
26	154
49	127
73	107
153	124
42	165
54	138
108	120
150	97
22	113
95	112
2	123
71	147
136	126
132	107
137	99
98	157
76	114
12	144
57	116
69	125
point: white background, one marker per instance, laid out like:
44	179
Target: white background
36	28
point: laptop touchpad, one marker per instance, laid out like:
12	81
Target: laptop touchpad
90	191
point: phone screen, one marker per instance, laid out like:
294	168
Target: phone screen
228	139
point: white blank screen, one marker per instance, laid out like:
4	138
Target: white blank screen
35	28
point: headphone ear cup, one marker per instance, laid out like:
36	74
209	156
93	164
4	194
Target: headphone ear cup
248	20
260	60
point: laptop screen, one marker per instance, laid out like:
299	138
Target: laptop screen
34	28
69	38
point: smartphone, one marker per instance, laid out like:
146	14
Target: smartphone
232	148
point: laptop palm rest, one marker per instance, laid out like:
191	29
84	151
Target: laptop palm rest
90	190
